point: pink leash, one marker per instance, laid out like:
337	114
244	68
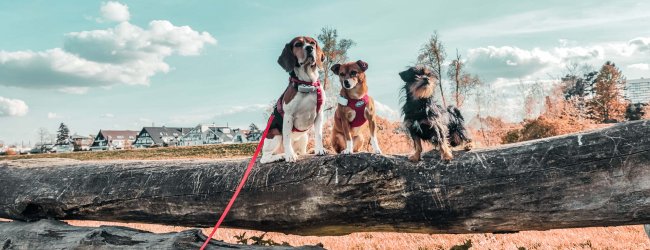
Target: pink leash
241	184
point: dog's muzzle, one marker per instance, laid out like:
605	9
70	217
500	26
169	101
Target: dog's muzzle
346	84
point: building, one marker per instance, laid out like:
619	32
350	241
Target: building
638	90
211	134
114	139
160	137
81	143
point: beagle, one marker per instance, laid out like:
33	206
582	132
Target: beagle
355	108
299	108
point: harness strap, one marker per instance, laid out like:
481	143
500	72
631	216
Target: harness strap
295	82
359	107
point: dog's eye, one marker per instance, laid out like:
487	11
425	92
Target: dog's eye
342	74
353	73
298	45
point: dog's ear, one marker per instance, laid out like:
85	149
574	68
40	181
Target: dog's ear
287	59
407	75
363	65
335	68
320	57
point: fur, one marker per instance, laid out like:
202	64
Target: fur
302	58
345	138
428	121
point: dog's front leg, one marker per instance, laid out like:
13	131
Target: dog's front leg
287	127
318	140
373	133
417	144
349	143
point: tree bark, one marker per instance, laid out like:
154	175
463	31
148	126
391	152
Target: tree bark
595	178
51	234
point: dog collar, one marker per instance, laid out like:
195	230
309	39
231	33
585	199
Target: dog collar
304	86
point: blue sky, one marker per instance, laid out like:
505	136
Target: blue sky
123	65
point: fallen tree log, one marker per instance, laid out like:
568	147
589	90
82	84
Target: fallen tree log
51	234
595	178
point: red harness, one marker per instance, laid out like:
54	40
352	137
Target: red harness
359	106
296	82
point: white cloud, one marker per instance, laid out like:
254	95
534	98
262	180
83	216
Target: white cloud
641	44
74	90
12	107
114	12
51	115
126	54
108	115
509	62
639	66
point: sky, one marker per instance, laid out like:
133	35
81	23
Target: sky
124	65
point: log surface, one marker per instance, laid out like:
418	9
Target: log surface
51	234
594	178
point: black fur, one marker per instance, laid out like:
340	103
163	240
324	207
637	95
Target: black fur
427	120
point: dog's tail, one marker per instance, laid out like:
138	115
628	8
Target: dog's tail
457	133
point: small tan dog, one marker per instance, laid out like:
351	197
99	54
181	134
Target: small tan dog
354	109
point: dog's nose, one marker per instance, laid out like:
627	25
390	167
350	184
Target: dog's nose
346	82
309	49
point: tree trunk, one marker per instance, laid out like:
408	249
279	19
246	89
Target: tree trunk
50	234
595	178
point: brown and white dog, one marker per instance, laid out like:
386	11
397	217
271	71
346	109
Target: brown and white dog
355	108
299	108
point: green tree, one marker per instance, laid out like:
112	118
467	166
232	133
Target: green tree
63	134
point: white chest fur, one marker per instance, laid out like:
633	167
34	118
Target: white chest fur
303	108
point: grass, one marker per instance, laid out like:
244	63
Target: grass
219	151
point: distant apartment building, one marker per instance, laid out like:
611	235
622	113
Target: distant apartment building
160	137
638	90
114	139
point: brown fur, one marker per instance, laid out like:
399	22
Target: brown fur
289	57
288	60
342	131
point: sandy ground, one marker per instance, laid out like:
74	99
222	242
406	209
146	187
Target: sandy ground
623	237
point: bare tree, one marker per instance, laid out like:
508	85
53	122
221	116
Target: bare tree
533	95
43	135
463	81
433	54
335	51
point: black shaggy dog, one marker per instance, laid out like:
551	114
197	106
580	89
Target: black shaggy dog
428	121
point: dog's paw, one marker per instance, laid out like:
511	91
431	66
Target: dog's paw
447	157
321	151
346	151
290	157
414	158
468	146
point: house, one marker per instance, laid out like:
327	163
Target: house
212	134
159	136
114	139
252	135
81	143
